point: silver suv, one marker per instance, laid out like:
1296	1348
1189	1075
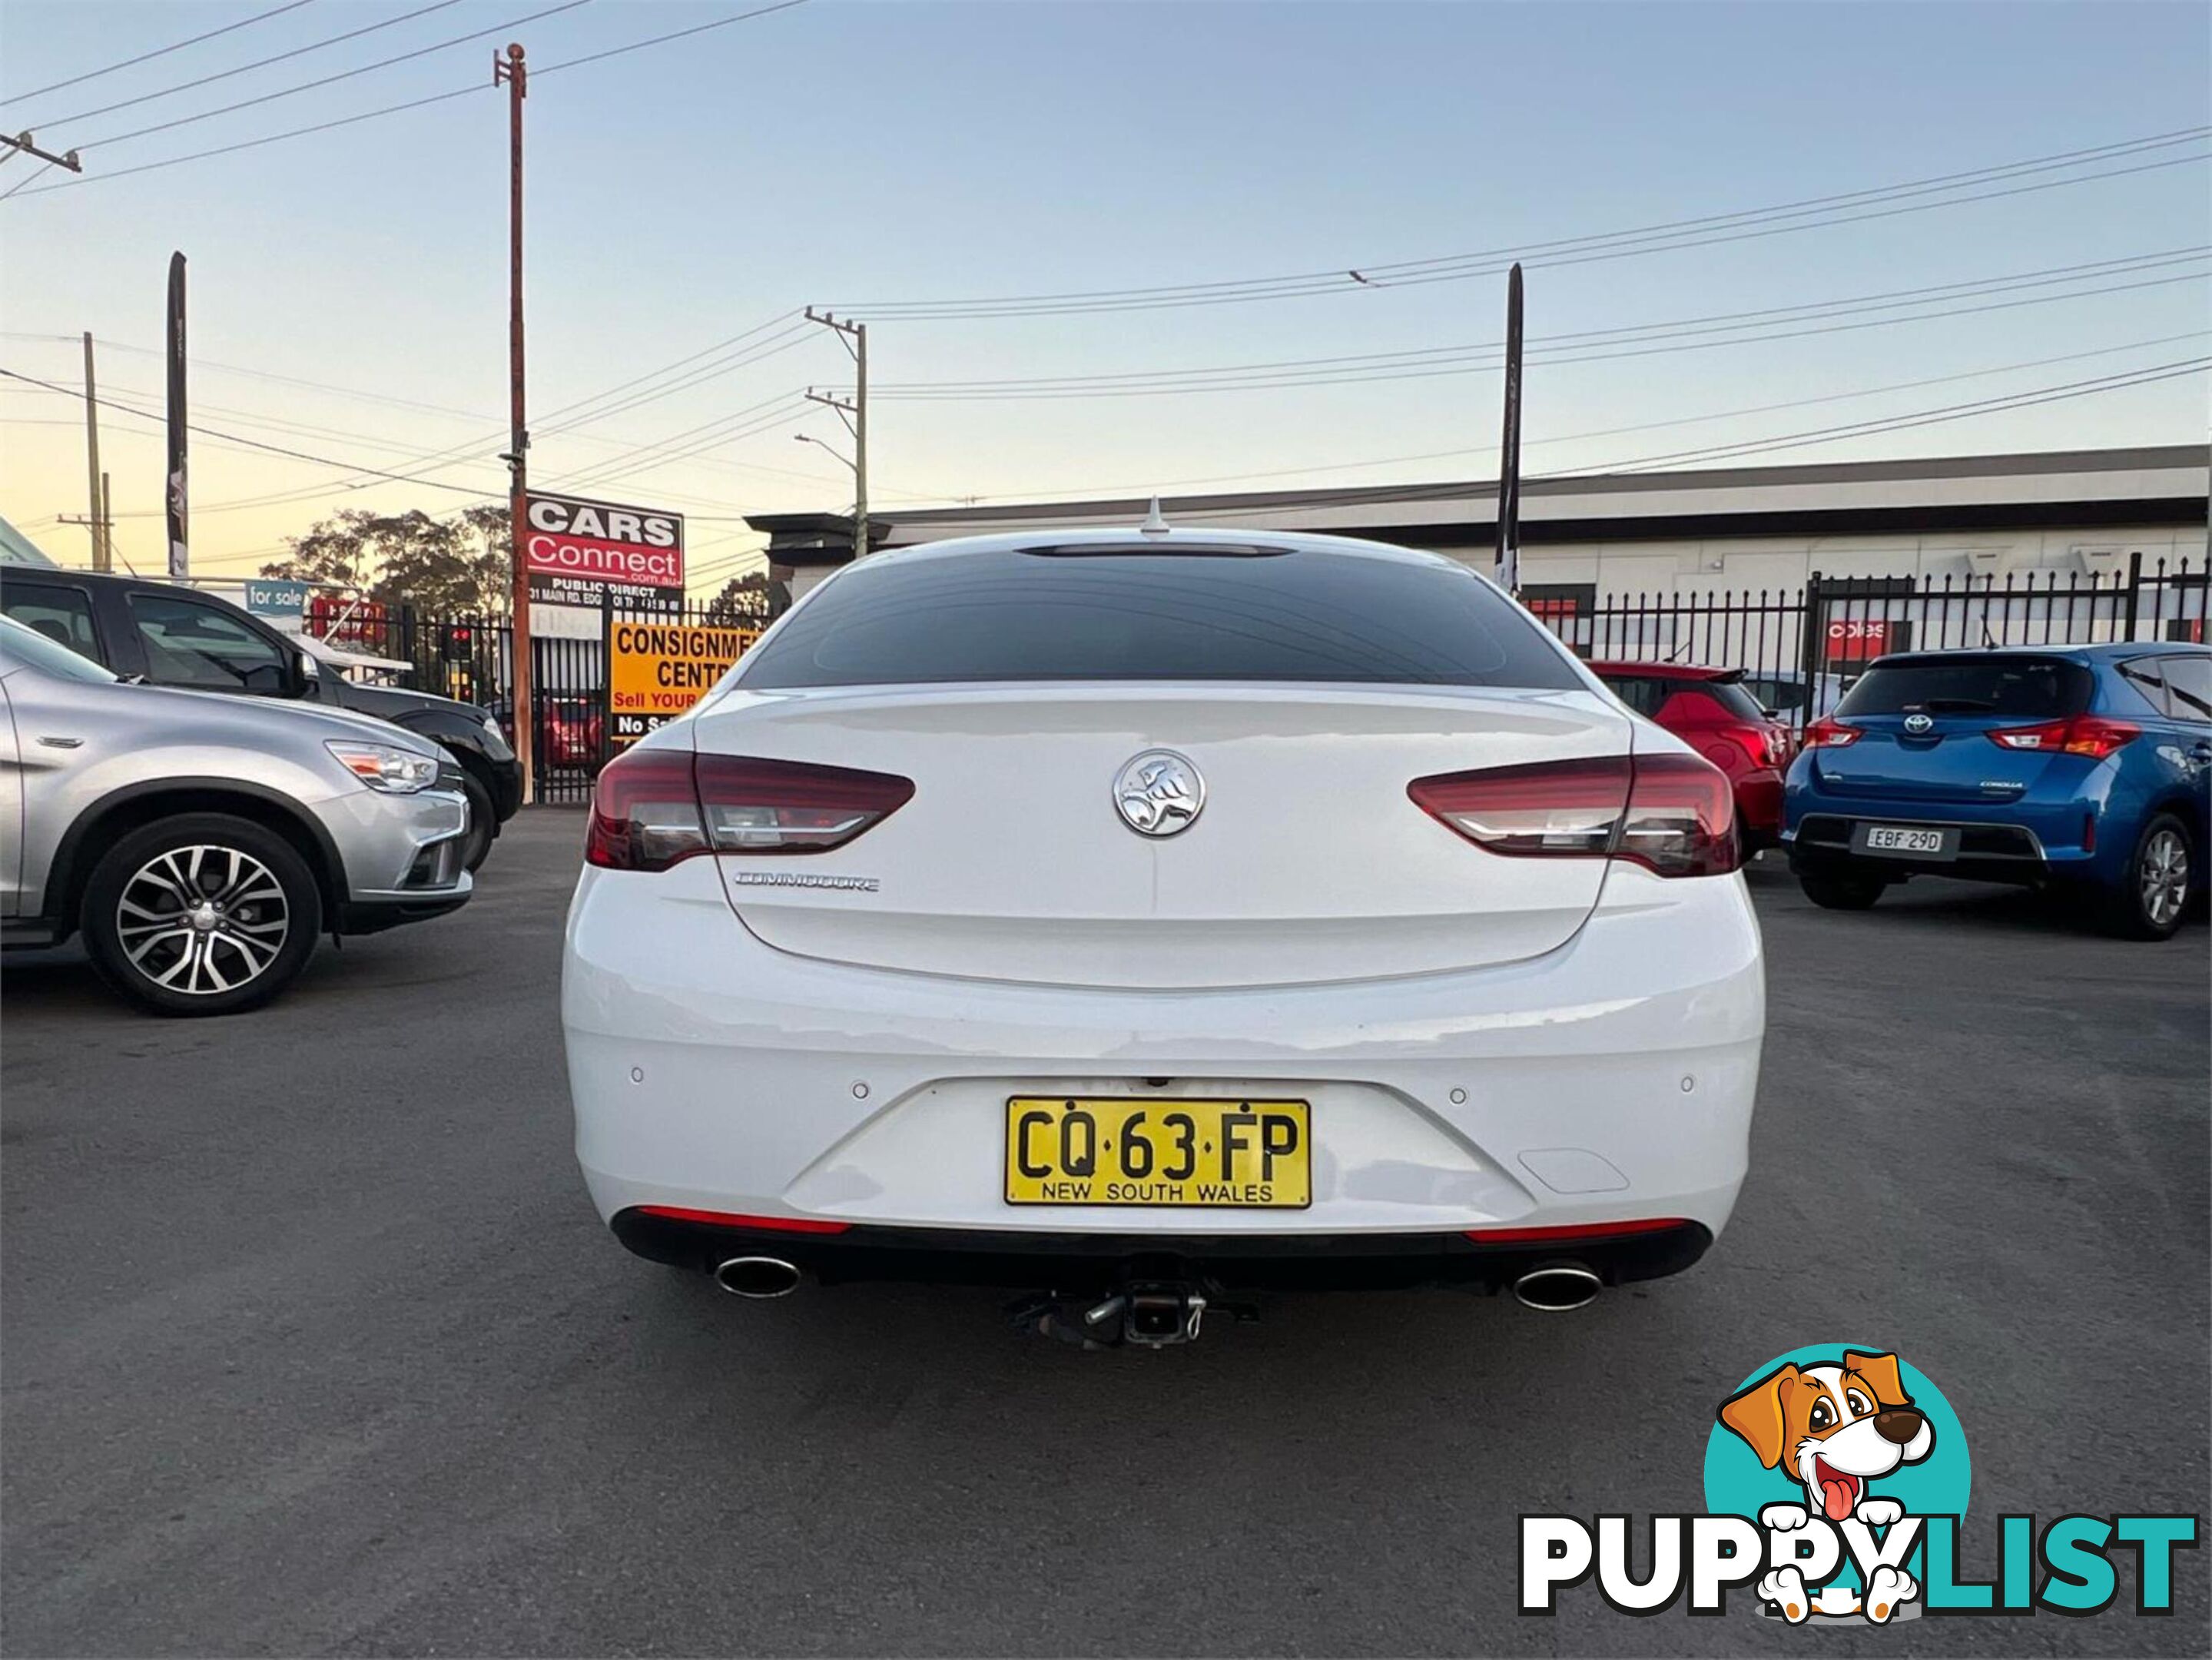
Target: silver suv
201	842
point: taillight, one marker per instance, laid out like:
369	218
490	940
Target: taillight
2092	735
1673	814
654	807
1762	743
645	812
1829	733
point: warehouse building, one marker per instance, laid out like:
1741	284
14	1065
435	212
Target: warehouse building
1616	536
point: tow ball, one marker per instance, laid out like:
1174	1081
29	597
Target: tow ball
1147	1313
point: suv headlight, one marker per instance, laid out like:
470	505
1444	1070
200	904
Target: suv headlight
382	767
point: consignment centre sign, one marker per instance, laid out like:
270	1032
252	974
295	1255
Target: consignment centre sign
586	553
656	671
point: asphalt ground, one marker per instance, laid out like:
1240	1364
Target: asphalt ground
310	1341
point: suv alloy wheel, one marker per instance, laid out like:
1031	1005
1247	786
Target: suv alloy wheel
202	914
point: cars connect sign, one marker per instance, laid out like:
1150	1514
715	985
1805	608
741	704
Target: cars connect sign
591	553
656	671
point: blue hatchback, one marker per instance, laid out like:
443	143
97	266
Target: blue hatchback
2085	766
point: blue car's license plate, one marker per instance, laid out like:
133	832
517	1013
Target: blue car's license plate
1906	841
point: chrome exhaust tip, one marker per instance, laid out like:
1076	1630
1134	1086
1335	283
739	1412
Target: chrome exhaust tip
1558	1288
758	1277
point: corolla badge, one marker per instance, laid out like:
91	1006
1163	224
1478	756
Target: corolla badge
1159	793
1916	724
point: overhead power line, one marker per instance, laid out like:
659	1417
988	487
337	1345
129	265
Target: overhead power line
162	52
1720	320
1475	358
1155	486
1774	443
244	69
1707	230
512	24
229	437
474	87
660	40
2178	369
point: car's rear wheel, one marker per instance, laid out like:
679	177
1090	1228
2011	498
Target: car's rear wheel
203	913
2155	891
1842	891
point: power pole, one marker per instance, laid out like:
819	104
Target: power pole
106	526
510	73
100	559
1509	447
853	412
179	498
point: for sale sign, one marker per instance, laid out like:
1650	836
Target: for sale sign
656	671
589	553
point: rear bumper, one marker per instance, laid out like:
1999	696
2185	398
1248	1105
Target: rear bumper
1988	852
1759	808
1610	1079
1078	1263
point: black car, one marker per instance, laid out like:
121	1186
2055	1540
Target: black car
176	636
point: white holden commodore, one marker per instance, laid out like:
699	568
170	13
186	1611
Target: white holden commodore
1141	919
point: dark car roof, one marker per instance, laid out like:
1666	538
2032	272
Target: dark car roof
376	699
2107	651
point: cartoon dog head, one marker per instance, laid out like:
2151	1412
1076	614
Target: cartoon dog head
1834	1428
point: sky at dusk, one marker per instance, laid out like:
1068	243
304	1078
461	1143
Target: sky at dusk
349	287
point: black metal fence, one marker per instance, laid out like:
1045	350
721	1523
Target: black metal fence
472	658
1799	648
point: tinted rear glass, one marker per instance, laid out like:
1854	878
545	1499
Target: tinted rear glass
1293	616
2035	688
1731	696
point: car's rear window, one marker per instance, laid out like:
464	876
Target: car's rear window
2041	688
1270	614
1731	695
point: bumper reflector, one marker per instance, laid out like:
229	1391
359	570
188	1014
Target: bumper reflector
722	1218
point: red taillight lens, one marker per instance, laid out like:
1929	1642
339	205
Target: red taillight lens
2092	735
1571	808
790	807
1681	817
1829	733
1673	814
654	807
645	812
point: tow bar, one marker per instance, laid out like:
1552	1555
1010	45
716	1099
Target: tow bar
1145	1314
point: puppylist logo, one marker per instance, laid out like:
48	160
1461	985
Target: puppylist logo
1836	1483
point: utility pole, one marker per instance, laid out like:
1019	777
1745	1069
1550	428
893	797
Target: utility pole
1509	447
179	492
510	73
853	412
100	559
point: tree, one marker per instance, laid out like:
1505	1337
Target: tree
750	601
452	566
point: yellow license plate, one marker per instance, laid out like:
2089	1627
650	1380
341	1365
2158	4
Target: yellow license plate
1240	1154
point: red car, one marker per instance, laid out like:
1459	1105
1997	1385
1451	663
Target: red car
1709	710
